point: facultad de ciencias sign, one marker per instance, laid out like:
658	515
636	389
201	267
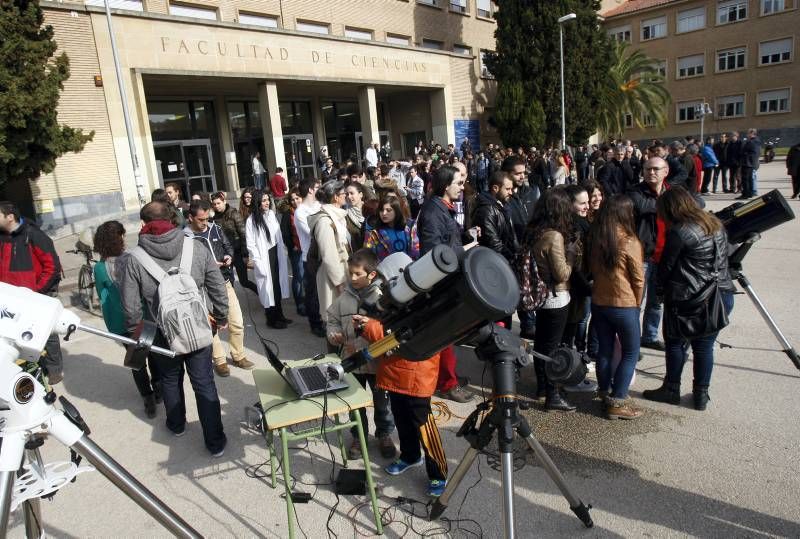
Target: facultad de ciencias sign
202	47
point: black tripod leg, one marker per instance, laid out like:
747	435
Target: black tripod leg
464	465
787	346
575	504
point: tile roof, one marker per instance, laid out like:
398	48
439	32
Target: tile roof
631	6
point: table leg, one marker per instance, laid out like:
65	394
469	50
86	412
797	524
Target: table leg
272	460
370	483
287	480
341	442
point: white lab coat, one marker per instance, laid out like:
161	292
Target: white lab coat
258	245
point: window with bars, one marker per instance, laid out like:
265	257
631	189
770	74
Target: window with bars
691	66
691	19
772	6
687	111
731	11
775	52
731	59
654	28
731	106
773	101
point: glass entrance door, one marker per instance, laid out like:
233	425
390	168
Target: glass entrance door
300	155
361	147
188	163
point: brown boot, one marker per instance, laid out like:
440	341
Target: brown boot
222	370
244	363
386	445
622	409
354	451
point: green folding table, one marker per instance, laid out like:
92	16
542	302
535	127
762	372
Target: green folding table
283	410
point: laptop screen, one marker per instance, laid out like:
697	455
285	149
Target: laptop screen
276	363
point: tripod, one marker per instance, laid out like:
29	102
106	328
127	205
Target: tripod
735	267
504	351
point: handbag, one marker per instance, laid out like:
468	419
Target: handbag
699	316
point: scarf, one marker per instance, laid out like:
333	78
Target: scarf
157	227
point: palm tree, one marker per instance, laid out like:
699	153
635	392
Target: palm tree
634	86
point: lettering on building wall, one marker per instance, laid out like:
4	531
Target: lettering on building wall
203	47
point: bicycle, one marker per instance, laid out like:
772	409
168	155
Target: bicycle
86	291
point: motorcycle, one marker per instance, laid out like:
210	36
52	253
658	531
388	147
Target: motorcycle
769	149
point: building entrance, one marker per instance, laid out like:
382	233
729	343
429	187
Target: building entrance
301	146
361	145
188	163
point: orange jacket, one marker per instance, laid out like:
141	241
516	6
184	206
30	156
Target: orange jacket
414	378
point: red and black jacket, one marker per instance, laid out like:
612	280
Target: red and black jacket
28	258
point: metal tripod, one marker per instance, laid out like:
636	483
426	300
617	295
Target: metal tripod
735	268
504	351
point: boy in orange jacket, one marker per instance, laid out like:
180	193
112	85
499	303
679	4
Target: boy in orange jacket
410	385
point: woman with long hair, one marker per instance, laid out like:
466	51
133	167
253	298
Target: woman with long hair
695	254
393	233
292	243
356	194
580	285
268	259
595	191
616	260
109	243
547	237
246	202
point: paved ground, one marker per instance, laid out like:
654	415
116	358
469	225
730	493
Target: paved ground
728	472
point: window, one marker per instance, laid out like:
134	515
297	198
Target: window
648	121
731	106
433	3
772	6
773	101
662	68
775	52
198	12
267	21
397	39
731	59
130	5
313	27
628	120
459	6
687	111
621	33
731	11
356	33
432	44
691	66
654	28
462	49
484	8
485	73
691	19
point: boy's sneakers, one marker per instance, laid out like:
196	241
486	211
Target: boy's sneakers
399	466
436	488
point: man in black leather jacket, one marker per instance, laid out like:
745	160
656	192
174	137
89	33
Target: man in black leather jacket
232	224
490	215
520	205
617	175
751	152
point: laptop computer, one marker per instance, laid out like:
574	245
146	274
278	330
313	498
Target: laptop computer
306	381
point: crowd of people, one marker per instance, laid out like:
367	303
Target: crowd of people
612	238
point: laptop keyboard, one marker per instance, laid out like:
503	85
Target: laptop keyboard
313	378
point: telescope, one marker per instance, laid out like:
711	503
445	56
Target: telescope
448	297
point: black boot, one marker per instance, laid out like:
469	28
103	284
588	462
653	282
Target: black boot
150	405
541	379
556	402
701	397
669	392
273	318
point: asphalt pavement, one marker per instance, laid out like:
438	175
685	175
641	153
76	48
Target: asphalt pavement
730	471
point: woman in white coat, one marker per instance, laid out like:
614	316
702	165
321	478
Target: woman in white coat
268	258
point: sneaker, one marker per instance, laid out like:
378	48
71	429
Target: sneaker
354	451
436	488
386	446
218	454
457	394
587	386
179	433
399	466
653	345
244	363
222	370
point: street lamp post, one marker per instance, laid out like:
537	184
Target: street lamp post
702	110
561	21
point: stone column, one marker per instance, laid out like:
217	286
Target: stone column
229	172
442	124
318	126
368	109
269	113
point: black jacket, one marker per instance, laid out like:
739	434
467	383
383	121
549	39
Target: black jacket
232	225
215	240
615	177
687	263
793	161
721	152
437	224
497	233
734	157
644	206
520	209
691	171
751	152
677	172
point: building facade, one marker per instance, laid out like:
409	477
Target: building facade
736	56
211	82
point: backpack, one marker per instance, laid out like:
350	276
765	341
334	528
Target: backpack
182	314
533	290
314	257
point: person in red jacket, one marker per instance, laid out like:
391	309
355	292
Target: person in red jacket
410	385
29	259
278	184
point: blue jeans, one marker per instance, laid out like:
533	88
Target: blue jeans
677	353
755	182
527	322
652	307
583	326
295	259
201	375
258	181
612	322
